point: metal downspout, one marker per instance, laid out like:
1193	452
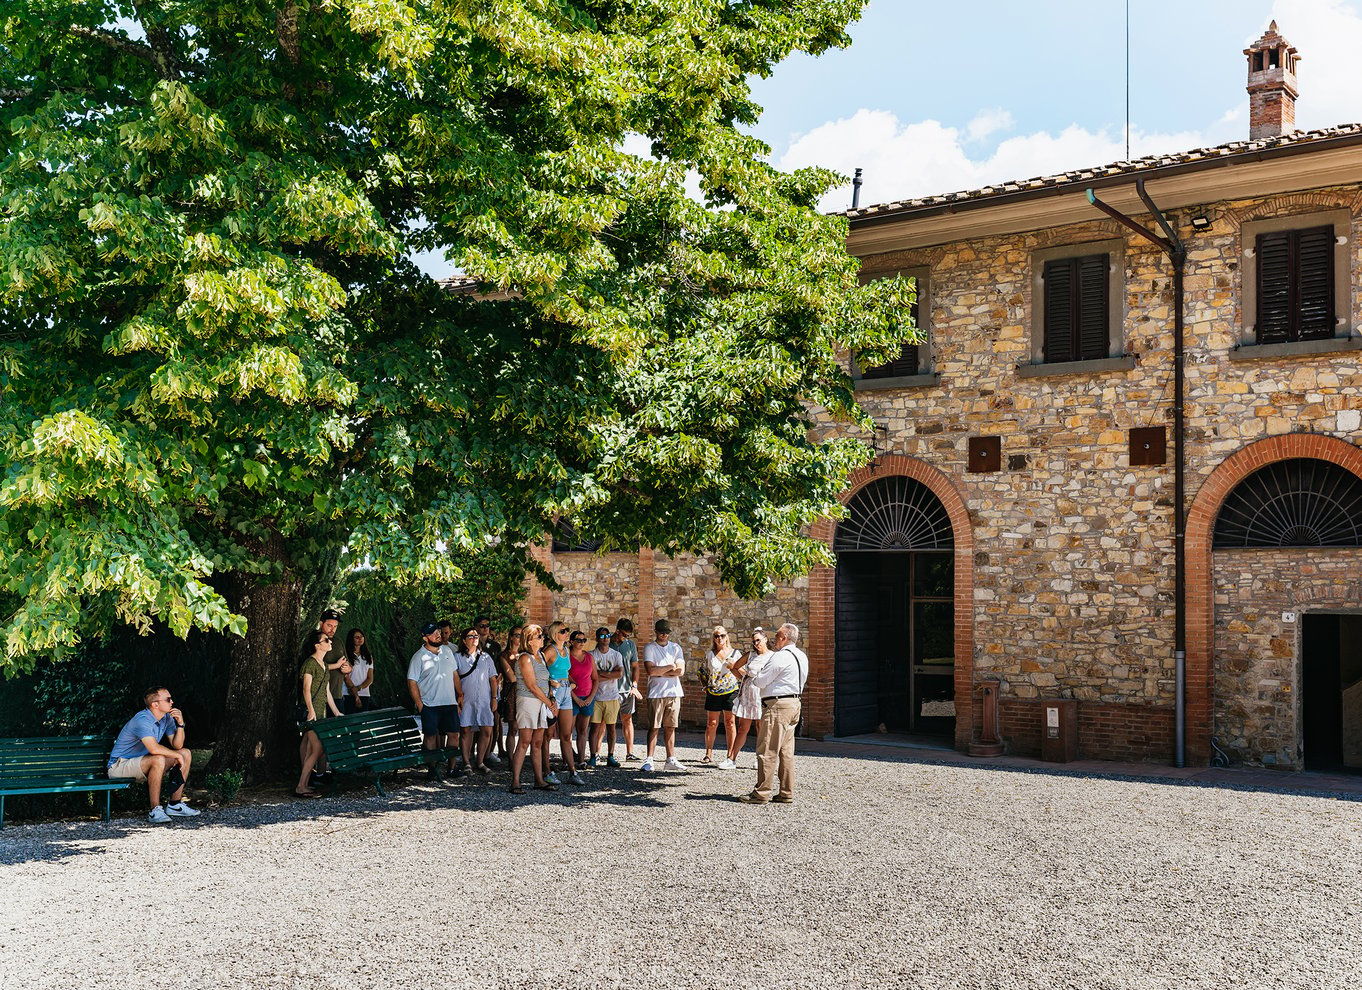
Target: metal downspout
1177	253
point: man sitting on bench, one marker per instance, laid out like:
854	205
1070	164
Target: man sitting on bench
151	748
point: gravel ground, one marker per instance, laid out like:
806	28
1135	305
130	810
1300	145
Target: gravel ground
885	873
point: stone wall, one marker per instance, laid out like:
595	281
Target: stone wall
1258	666
597	589
1073	548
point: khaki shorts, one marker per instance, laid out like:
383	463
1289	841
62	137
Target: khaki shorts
129	767
666	712
605	711
531	713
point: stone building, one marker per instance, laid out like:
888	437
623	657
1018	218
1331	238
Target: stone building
1019	526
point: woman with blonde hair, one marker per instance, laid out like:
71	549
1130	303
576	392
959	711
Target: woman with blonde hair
721	689
747	709
533	706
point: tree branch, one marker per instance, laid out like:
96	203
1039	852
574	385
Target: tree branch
115	41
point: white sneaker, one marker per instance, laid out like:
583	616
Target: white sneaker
728	765
493	759
158	816
577	778
674	764
552	778
647	765
180	810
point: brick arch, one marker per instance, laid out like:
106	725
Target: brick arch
1200	524
1288	204
823	587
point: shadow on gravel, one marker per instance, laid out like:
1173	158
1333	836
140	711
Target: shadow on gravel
54	841
1245	779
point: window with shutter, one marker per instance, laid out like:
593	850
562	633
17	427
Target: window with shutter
910	360
1077	309
1295	285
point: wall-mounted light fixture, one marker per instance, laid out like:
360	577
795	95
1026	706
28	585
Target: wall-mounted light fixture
1201	222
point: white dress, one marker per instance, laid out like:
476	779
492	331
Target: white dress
477	690
749	702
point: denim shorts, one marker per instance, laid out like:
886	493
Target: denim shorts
583	709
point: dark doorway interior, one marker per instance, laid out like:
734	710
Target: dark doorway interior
895	642
1331	692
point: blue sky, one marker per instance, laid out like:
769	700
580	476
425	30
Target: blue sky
934	97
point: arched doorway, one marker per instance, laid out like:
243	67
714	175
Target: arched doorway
895	612
1288	524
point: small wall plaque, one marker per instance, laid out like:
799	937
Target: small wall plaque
1148	445
985	454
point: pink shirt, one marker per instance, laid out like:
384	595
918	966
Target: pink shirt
580	673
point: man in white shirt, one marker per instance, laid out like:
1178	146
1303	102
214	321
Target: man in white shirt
665	664
606	710
780	682
433	680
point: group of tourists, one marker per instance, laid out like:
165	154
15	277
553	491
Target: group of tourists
480	703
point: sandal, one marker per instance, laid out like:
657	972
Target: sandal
546	787
517	790
306	794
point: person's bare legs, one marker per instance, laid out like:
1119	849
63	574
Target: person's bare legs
711	727
627	724
312	751
744	726
728	729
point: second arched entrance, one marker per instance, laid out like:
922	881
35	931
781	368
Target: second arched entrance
895	612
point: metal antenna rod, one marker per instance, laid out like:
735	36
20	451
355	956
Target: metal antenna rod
1127	80
856	190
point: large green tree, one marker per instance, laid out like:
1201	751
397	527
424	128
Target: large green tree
217	363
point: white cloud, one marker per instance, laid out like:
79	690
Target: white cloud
904	159
922	158
1328	35
988	122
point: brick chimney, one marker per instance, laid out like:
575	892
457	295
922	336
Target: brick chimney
1271	85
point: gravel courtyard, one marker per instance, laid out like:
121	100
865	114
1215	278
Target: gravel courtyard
885	873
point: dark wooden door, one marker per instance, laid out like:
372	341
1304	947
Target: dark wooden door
895	640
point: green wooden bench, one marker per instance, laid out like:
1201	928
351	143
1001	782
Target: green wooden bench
376	742
57	765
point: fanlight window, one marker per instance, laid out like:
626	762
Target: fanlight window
1301	502
895	513
566	539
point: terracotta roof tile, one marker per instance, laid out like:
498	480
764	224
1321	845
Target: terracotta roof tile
1115	168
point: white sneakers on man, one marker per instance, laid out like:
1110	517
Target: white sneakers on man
180	810
728	765
158	816
674	764
647	765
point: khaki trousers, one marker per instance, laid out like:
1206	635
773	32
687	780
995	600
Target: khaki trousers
775	746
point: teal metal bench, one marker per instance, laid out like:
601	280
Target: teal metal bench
57	765
376	742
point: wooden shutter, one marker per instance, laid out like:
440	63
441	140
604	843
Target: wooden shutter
1092	307
902	366
1295	285
1059	310
1274	287
1315	294
1076	309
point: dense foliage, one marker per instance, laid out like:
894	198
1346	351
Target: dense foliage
216	359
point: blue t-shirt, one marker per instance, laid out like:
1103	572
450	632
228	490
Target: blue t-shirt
129	741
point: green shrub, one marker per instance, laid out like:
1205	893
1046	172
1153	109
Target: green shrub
225	785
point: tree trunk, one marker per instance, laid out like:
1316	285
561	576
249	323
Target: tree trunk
257	733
